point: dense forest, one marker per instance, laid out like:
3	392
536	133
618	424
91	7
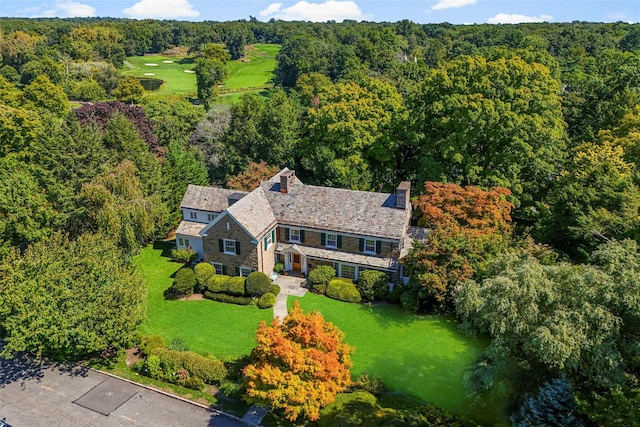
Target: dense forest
522	143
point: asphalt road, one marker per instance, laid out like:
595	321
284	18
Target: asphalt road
33	395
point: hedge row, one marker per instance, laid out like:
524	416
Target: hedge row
209	370
221	283
343	291
230	299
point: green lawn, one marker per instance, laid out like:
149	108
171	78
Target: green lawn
223	330
177	79
424	356
253	72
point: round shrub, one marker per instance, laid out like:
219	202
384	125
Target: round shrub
321	275
203	272
258	284
267	300
217	283
183	283
343	291
236	286
275	289
278	267
372	284
183	255
150	343
320	288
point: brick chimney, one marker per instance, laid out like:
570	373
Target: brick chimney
403	193
286	181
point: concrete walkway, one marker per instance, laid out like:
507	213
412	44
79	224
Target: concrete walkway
289	285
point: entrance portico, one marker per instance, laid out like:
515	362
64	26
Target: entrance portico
294	259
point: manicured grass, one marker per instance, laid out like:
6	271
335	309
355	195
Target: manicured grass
253	72
424	356
223	330
176	80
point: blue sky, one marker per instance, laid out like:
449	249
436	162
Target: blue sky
420	11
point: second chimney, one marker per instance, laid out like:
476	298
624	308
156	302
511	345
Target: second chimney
286	181
402	195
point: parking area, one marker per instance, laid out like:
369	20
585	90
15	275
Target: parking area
68	395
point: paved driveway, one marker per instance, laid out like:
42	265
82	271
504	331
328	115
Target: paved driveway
61	395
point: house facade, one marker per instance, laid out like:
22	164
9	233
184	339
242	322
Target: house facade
302	226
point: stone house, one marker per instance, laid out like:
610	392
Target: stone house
299	225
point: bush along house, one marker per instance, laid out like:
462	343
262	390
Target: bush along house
301	226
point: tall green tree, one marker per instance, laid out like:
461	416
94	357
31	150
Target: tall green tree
209	74
46	96
490	123
69	299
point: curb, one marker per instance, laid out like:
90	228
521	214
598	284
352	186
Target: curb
200	405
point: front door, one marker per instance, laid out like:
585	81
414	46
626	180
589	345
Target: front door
295	262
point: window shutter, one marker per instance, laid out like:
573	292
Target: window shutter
221	245
273	235
339	241
361	245
378	247
224	269
237	271
286	234
323	239
301	236
264	243
237	248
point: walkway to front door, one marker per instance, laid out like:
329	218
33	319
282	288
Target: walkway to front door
288	286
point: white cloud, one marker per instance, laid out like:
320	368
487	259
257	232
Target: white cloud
161	9
75	9
271	10
514	18
61	9
450	4
335	10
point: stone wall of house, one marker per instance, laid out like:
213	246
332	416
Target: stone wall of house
349	244
227	228
267	258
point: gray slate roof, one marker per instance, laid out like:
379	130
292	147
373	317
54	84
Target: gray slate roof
211	199
337	209
254	213
190	228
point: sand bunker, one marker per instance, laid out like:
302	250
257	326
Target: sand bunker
151	64
189	71
149	74
167	62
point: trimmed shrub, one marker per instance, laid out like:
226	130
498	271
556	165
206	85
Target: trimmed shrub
183	284
275	289
278	267
183	255
209	370
343	291
320	288
148	343
257	284
203	272
321	275
229	299
194	383
236	286
372	284
217	283
267	300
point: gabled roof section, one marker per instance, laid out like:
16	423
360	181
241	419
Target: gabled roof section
336	209
190	228
254	213
209	199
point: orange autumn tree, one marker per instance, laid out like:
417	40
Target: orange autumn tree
250	178
298	366
466	224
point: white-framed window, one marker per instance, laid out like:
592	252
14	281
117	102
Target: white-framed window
268	240
332	240
211	217
180	242
186	243
193	215
349	271
245	271
230	247
370	246
219	267
294	234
